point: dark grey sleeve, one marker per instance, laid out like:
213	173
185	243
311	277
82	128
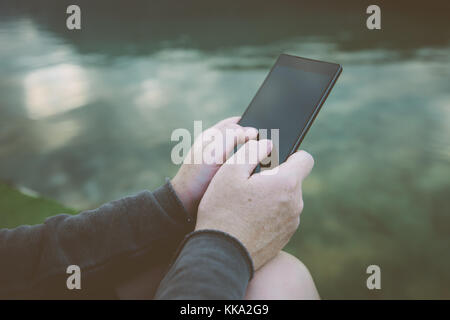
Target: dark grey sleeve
106	243
210	265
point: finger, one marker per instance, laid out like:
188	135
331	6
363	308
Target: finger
249	155
208	135
298	164
224	141
226	121
216	135
235	136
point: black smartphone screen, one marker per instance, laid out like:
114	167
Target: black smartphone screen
289	99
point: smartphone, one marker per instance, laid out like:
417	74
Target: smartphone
289	100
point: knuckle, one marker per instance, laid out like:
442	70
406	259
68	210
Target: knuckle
294	224
291	182
284	198
301	205
224	122
208	132
231	127
240	133
252	145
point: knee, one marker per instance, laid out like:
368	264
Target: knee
293	278
284	277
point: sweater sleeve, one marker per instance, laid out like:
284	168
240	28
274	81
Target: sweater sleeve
107	244
210	264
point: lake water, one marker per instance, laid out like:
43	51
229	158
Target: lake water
87	119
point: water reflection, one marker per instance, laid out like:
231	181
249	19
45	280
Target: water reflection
53	90
85	128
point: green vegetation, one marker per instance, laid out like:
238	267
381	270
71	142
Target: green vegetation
17	208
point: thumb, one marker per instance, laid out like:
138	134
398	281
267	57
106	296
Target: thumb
250	155
298	164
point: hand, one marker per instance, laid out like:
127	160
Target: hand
261	210
192	180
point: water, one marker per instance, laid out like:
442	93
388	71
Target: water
88	119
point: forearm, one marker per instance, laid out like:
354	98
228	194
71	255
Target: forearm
106	243
210	265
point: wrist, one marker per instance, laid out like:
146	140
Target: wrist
185	195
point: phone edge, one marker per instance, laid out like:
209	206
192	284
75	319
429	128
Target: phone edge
316	112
